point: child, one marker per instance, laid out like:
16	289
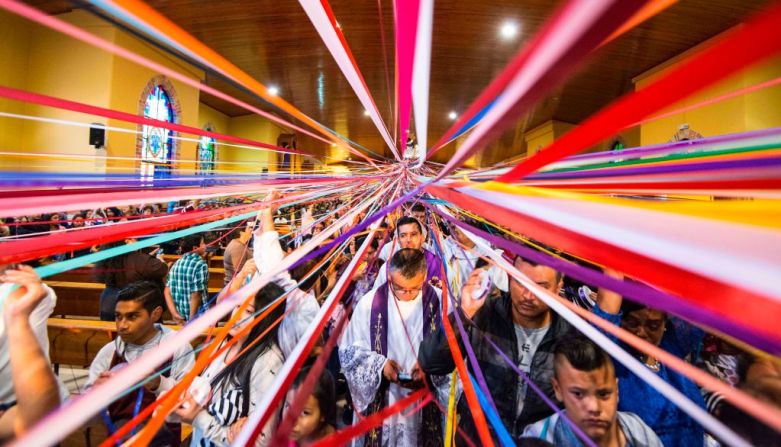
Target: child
318	417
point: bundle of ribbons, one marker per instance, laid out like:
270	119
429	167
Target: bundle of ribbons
696	224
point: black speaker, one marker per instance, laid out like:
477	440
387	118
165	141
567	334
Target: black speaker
97	135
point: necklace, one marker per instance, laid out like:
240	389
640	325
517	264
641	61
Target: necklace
654	366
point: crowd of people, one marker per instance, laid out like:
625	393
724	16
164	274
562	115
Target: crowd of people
520	352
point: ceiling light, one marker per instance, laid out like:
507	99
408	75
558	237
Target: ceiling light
273	90
452	116
365	113
508	30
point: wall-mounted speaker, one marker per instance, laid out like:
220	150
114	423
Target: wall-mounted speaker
97	135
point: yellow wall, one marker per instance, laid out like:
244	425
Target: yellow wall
753	111
14	51
219	122
128	83
56	67
37	59
256	128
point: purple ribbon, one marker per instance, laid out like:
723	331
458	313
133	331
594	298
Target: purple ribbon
470	353
639	292
698	144
766	162
479	373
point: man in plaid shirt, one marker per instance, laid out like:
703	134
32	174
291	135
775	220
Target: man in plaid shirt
186	290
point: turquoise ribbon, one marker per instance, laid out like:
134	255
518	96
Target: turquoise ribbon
493	418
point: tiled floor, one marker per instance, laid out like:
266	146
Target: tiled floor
73	378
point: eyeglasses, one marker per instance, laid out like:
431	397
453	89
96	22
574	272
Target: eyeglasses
408	292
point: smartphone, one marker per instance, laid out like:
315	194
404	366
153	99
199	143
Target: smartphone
404	378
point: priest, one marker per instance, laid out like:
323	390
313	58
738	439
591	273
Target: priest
378	352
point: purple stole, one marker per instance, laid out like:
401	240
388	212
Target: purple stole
433	268
430	433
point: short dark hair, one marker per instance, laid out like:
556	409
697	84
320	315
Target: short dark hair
628	306
147	293
406	220
416	208
324	392
409	262
191	242
559	275
582	353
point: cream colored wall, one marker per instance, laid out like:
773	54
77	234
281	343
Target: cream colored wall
256	128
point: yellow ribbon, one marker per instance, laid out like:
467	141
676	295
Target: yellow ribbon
763	212
450	434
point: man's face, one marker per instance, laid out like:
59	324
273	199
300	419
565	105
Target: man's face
247	233
525	304
134	323
406	289
78	222
419	215
410	236
462	238
591	398
201	250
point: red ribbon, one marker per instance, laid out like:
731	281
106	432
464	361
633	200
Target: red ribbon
469	391
728	301
307	387
751	44
373	421
554	26
407	12
51	101
279	393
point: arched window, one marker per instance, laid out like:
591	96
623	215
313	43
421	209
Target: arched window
156	145
206	154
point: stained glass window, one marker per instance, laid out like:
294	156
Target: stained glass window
156	142
206	154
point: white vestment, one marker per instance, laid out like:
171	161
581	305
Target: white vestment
363	367
462	261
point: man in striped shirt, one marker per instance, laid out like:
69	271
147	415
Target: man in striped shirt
186	290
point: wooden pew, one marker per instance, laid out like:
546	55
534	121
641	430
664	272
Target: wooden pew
83	298
81	274
216	277
77	341
84	275
214	261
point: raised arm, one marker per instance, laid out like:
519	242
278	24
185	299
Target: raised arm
607	300
35	386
